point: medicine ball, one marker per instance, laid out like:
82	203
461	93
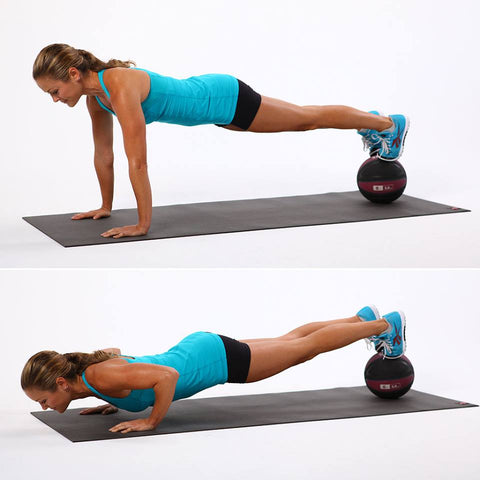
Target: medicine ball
381	181
389	377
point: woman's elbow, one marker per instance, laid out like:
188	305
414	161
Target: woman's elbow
172	375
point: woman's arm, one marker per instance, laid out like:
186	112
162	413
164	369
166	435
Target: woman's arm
102	129
126	102
139	376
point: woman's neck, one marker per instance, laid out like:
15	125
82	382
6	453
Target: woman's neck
80	390
91	84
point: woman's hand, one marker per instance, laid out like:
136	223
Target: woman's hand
95	214
103	409
139	425
128	231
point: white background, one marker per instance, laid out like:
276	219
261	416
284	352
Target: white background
148	311
412	57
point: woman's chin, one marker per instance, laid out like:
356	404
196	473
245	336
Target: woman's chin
72	103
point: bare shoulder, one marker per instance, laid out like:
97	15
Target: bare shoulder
101	374
98	370
119	78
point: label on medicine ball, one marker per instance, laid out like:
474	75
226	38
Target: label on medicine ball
376	187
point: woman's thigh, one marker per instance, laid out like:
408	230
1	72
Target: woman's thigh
275	115
270	357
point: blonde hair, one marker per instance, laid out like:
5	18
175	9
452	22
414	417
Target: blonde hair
42	370
55	60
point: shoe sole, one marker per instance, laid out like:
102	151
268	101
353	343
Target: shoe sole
375	311
407	126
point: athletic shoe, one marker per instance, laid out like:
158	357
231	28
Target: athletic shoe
393	139
393	340
371	139
368	314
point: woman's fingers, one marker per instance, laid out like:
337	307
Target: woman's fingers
110	410
95	214
89	411
121	428
139	425
103	409
127	231
81	216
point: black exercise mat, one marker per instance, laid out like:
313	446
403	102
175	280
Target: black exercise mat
236	216
216	413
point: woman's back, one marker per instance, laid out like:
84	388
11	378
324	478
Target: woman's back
198	100
199	359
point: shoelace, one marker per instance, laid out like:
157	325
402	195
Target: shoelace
383	344
373	140
387	347
369	343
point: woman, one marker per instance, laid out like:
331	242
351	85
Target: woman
138	97
199	361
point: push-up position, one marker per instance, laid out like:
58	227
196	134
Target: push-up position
199	361
138	97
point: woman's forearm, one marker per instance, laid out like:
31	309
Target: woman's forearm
104	169
138	173
164	392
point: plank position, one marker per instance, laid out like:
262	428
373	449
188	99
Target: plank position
199	361
138	97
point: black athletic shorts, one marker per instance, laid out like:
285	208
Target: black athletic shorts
238	359
248	104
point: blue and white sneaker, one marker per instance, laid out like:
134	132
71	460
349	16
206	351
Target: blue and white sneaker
393	139
368	314
371	138
387	144
393	341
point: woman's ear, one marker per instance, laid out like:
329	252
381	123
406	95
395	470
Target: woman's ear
62	384
74	73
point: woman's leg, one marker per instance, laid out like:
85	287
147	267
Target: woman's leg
305	330
279	116
273	356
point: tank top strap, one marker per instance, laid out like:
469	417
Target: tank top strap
90	387
102	83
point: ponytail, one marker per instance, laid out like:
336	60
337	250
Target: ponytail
42	370
55	60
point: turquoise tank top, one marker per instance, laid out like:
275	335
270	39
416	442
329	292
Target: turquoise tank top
200	359
200	100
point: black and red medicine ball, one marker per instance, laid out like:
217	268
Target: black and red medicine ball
389	377
381	181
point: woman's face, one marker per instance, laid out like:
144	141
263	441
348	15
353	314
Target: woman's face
57	400
65	92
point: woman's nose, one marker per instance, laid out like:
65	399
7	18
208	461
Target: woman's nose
44	407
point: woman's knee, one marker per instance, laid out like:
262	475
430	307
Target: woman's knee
305	120
305	350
